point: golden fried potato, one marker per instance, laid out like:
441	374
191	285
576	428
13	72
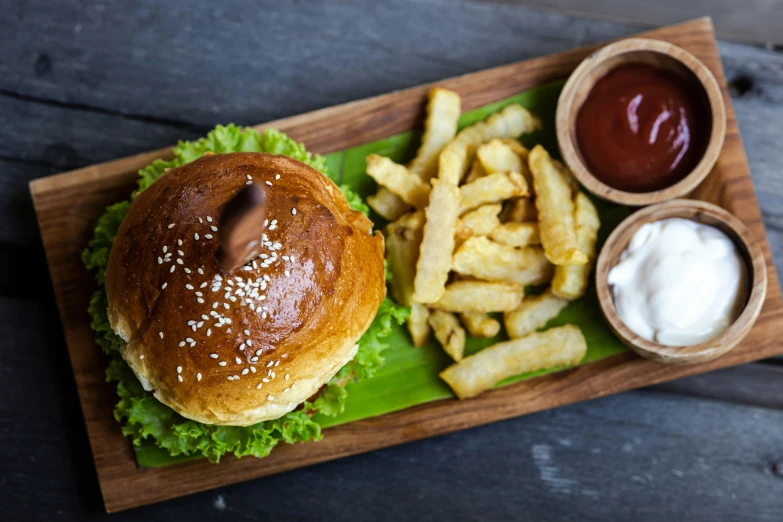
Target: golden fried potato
511	122
418	324
449	333
476	172
555	210
492	189
534	312
479	324
437	245
480	296
403	239
570	282
519	210
462	233
399	180
516	234
443	112
387	204
561	346
484	259
519	149
482	220
496	156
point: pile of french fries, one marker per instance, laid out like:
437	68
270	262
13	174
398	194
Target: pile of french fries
475	218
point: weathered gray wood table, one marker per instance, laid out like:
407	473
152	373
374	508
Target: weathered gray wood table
83	83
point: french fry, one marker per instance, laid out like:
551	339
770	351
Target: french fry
492	189
462	233
476	172
570	282
519	149
511	122
480	324
399	180
516	234
484	259
443	112
403	239
449	333
482	220
387	204
480	296
519	210
418	324
437	245
496	156
534	312
555	210
561	346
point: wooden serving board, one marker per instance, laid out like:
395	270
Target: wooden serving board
67	205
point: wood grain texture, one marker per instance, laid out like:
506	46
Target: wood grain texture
65	228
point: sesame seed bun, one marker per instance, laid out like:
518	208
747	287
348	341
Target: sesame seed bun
249	346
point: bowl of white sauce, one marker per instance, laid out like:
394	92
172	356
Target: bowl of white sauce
681	282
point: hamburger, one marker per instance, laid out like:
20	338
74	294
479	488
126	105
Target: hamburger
210	361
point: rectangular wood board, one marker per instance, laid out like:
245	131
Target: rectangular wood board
68	204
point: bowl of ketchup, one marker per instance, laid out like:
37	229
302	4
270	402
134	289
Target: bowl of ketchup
641	121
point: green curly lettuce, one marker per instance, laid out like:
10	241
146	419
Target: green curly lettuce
143	416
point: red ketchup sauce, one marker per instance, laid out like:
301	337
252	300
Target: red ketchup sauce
643	128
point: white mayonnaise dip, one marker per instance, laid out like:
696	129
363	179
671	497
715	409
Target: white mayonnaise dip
679	282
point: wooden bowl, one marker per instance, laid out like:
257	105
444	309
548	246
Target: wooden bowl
652	52
701	212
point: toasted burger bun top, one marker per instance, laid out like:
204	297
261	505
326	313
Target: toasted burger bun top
251	345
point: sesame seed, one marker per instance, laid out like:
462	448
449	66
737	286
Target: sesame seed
269	397
236	377
160	260
213	355
249	176
199	294
209	218
172	268
179	378
165	248
264	380
277	176
222	363
141	356
209	332
213	228
200	220
245	371
268	183
263	316
182	343
249	342
285	390
215	304
164	286
293	211
198	376
254	359
179	369
171	225
285	258
248	182
272	374
270	364
179	242
204	316
161	334
286	376
258	386
193	344
189	286
195	236
253	369
188	340
230	378
200	300
179	260
200	324
277	362
287	273
238	360
180	252
208	236
187	270
292	258
200	271
246	332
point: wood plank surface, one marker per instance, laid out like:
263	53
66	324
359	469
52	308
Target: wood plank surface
65	228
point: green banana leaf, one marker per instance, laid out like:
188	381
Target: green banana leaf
409	376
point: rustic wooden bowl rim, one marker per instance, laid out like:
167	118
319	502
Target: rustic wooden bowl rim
567	110
689	209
